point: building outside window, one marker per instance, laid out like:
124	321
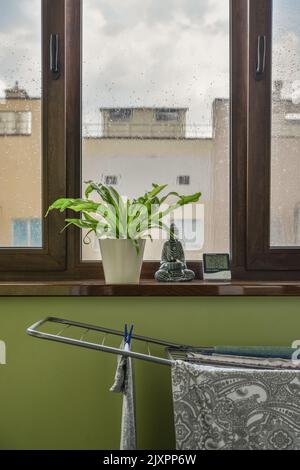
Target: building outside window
111	180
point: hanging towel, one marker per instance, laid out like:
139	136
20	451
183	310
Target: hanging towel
235	409
244	361
124	383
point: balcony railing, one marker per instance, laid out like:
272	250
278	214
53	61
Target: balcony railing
163	131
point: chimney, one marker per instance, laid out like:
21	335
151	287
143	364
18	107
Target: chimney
278	86
16	93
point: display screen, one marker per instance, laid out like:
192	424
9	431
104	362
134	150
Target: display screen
215	263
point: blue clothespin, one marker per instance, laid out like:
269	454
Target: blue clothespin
128	336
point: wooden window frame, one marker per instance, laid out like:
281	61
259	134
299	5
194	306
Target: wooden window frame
62	161
51	259
76	267
261	260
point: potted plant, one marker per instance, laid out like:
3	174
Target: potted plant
122	225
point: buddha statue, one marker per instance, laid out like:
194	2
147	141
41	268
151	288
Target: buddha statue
173	267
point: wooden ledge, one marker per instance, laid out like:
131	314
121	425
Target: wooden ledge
96	288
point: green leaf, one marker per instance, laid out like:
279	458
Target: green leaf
80	223
173	193
89	218
119	218
76	205
156	190
184	200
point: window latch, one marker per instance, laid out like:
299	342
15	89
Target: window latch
261	57
54	56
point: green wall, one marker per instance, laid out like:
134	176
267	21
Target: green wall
54	396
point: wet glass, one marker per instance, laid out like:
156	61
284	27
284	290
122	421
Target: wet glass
285	142
20	124
156	109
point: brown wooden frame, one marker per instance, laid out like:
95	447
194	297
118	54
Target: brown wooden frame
20	263
262	260
76	267
64	16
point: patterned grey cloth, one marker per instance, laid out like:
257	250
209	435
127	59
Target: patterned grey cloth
124	383
235	409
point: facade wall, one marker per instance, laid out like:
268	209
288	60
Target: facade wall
139	162
20	170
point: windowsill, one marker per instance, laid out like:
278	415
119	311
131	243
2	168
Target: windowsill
149	288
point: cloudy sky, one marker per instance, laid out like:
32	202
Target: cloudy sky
145	53
20	44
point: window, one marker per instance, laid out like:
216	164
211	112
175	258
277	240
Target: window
150	104
120	114
20	105
32	142
273	157
293	117
167	115
183	180
111	180
160	110
285	135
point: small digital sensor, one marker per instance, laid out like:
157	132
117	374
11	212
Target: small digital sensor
216	267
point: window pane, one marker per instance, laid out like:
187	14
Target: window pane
285	181
20	123
156	109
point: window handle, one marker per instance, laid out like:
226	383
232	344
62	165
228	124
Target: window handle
54	56
261	57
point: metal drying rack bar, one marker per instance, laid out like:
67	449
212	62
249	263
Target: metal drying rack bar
34	331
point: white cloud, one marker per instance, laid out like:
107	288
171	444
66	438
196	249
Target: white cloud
20	44
149	53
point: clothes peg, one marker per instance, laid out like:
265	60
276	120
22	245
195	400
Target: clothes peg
128	336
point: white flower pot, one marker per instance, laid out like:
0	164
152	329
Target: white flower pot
121	262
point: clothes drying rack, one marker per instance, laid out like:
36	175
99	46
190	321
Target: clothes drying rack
82	330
